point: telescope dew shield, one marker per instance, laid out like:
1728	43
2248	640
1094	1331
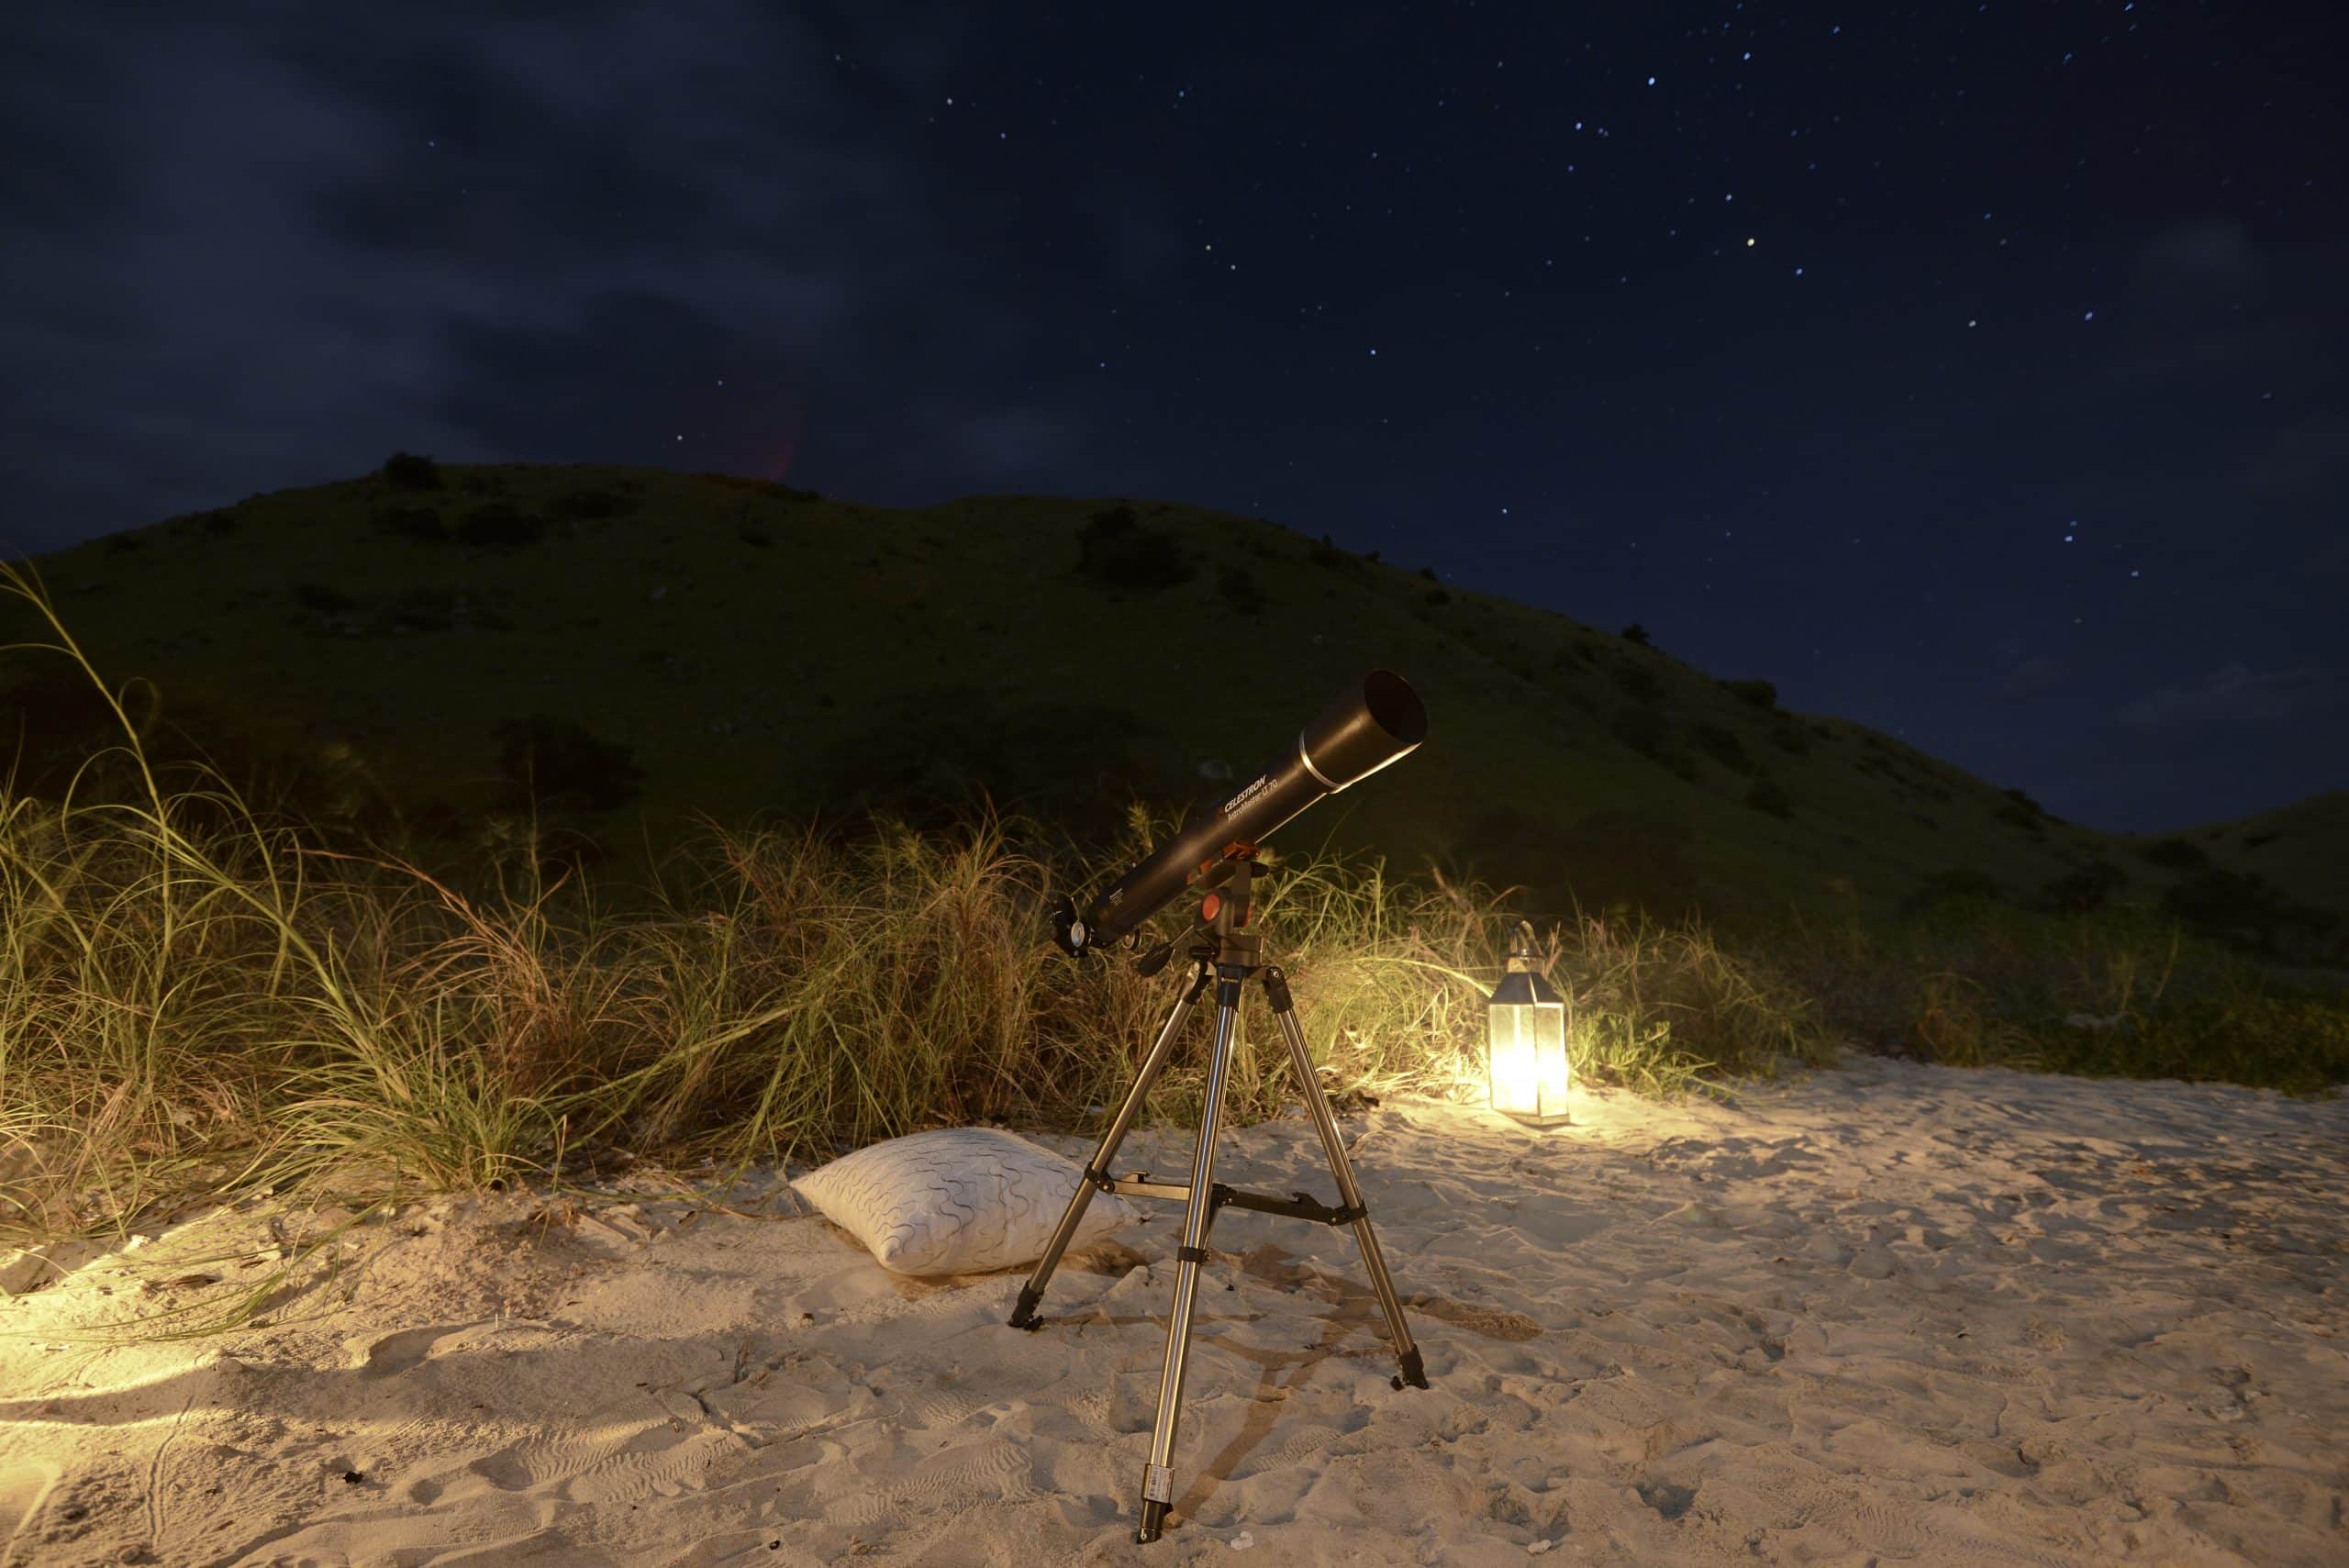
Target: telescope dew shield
1371	724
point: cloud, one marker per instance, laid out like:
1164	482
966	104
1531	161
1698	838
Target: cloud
255	267
2208	256
1013	441
2235	695
2030	676
2306	461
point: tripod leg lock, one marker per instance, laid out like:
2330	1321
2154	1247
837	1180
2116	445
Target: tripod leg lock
1277	991
1194	1254
1102	1181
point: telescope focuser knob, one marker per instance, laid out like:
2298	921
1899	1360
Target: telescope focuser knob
1068	934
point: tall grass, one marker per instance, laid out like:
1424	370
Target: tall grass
2118	992
199	996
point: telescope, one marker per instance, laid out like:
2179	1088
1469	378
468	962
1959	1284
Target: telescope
1371	723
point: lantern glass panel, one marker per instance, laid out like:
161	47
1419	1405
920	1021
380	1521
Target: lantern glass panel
1527	1039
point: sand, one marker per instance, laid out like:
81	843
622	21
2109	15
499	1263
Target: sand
1886	1313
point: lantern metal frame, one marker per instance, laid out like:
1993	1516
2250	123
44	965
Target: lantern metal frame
1523	985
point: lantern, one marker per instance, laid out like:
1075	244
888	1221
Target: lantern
1526	1042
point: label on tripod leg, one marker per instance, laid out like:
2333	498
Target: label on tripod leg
1158	1483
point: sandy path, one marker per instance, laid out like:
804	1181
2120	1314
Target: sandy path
1890	1314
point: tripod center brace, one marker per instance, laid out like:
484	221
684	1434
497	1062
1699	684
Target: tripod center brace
1225	951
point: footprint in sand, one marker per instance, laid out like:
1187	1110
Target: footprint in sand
967	1475
406	1348
613	1462
1306	1442
656	1460
505	1470
945	1406
1510	1328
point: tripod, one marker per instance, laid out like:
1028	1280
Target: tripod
1225	951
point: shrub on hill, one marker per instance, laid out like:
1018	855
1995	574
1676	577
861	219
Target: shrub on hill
2246	909
1610	862
319	599
1723	747
1636	633
1646	732
1116	549
1639	682
1958	884
929	758
2084	889
558	762
2176	854
406	471
1768	795
591	504
424	609
2020	811
412	522
1240	591
501	525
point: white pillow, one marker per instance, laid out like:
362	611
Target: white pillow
962	1200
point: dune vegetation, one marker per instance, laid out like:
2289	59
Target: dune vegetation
200	994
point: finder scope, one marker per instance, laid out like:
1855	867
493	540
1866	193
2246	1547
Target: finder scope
1373	722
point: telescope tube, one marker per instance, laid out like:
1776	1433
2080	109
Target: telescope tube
1370	724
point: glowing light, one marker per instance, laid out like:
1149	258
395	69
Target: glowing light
1526	1040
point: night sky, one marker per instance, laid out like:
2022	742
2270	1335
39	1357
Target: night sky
1974	372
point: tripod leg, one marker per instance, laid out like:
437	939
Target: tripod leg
1023	1315
1158	1478
1349	1194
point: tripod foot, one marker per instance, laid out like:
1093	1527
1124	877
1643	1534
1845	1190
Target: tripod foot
1023	1315
1153	1521
1414	1371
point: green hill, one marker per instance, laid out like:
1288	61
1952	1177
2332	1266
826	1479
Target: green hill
2303	848
411	647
